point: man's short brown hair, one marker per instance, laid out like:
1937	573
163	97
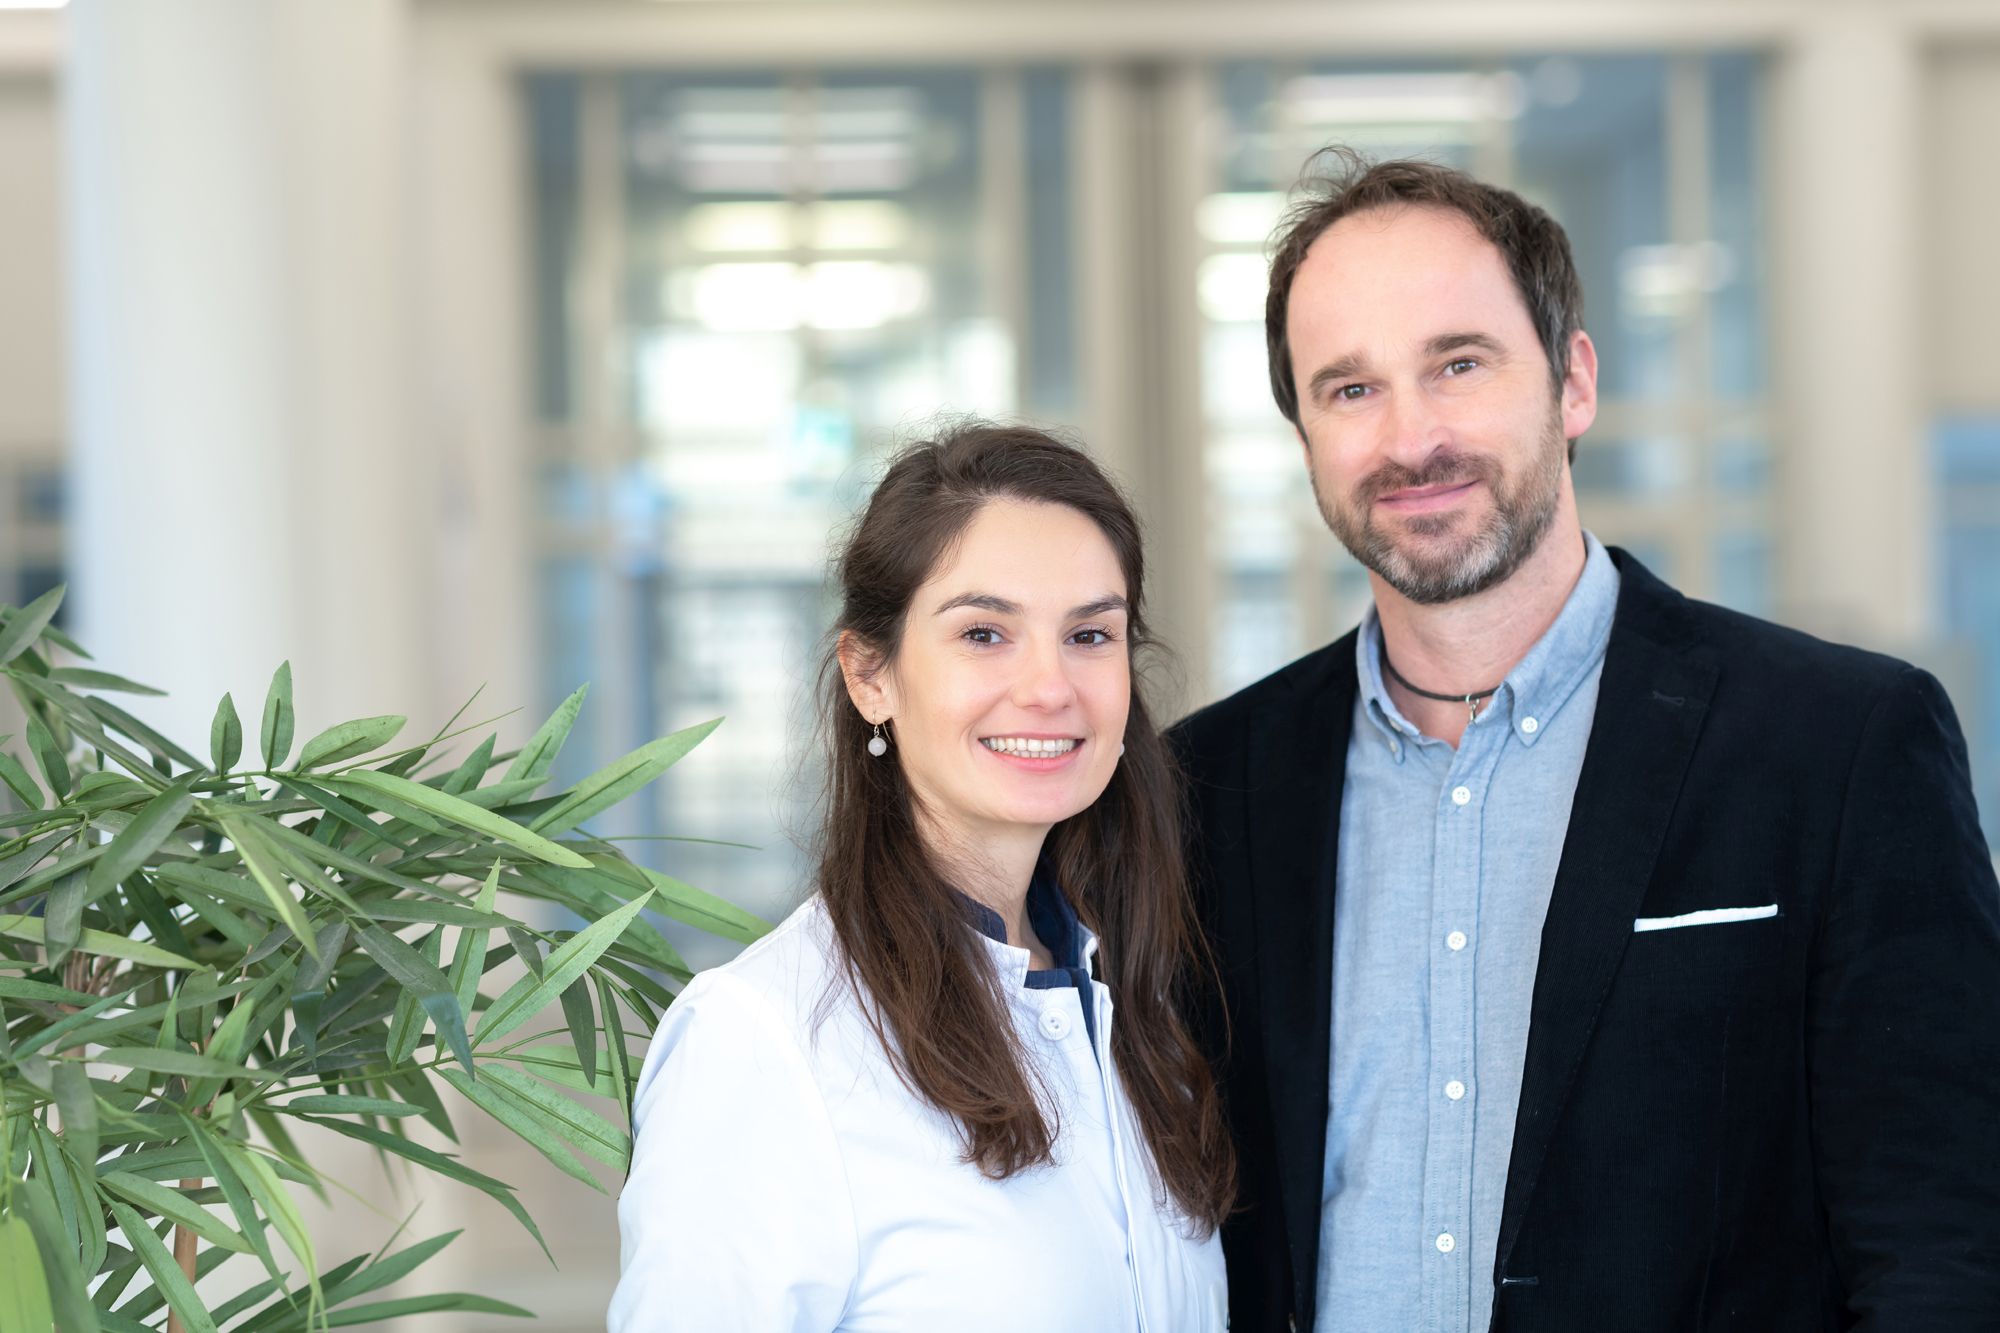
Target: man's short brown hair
1340	183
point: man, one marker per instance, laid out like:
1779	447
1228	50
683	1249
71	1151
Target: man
1590	958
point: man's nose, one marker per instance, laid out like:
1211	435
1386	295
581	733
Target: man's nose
1414	428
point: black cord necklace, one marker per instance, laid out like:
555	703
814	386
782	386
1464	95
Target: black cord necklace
1471	701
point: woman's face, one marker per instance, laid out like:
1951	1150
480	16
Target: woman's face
1009	693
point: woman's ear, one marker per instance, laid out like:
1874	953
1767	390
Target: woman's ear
867	683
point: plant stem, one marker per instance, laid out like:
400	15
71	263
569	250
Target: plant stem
184	1255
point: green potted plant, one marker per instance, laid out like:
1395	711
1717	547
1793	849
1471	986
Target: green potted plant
198	956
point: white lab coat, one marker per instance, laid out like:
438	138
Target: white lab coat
783	1177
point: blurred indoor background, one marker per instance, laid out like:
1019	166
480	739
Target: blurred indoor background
435	344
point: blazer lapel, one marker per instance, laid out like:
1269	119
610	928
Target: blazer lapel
1298	763
1652	699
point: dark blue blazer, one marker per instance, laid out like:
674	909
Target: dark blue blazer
1779	1125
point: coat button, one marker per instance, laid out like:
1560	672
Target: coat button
1055	1024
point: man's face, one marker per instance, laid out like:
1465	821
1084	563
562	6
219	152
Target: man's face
1436	444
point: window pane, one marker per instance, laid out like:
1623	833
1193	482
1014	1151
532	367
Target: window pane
799	269
1672	283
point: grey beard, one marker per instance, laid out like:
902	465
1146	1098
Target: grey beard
1482	559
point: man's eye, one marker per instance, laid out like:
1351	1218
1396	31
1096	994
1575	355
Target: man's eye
1460	365
1348	393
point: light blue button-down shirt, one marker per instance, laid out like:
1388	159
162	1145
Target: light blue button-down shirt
1447	861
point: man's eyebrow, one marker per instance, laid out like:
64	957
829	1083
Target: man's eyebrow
1347	367
1453	342
984	601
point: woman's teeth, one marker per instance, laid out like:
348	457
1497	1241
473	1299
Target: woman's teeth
1034	749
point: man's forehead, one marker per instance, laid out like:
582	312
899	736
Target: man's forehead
1406	272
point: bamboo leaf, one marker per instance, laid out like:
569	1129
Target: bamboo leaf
455	1301
461	812
16	777
234	1192
328	1103
63	918
172	1281
582	1024
468	960
187	1064
526	997
78	1104
175	1207
49	756
394	1268
72	1183
309	988
271	1195
529	1128
438	1163
717	916
472	771
539	754
278	717
85	678
406	1024
25	1306
270	876
99	942
620	778
24	627
142	837
580	1126
420	976
350	739
620	1067
225	736
70	1296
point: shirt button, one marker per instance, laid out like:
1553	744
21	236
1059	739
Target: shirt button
1445	1243
1055	1025
1454	1090
1455	941
1460	795
1529	726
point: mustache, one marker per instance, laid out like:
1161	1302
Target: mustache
1445	469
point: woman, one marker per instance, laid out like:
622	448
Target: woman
910	1107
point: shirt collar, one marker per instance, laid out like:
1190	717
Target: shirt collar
1070	943
1540	683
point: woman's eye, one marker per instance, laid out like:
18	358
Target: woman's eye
982	634
1091	638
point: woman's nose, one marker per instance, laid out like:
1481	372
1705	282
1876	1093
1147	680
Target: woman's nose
1044	680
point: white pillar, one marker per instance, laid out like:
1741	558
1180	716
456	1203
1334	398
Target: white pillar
1855	495
243	484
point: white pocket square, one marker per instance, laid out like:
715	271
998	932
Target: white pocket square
1714	916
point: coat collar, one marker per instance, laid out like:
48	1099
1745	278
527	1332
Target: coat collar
1651	703
1297	750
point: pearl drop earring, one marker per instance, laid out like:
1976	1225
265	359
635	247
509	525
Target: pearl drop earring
878	746
1121	749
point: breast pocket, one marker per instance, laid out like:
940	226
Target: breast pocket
1708	953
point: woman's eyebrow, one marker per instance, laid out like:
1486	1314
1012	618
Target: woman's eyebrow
1108	602
984	601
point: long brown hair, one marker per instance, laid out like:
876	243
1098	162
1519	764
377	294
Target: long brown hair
925	980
